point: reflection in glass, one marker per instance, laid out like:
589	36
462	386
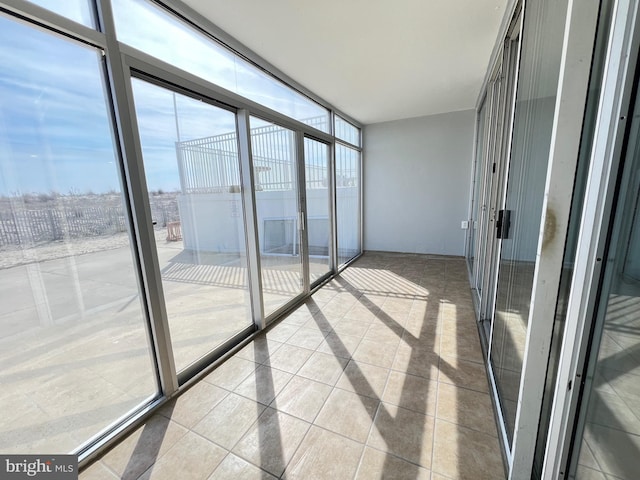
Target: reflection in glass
347	132
477	201
192	170
489	190
497	121
610	442
74	344
80	11
347	202
539	69
151	29
275	179
316	164
568	262
492	174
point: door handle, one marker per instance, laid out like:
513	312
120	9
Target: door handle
503	224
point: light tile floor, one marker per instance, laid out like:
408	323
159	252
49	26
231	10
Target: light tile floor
74	353
378	375
611	443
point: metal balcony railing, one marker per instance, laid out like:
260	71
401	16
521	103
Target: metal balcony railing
210	164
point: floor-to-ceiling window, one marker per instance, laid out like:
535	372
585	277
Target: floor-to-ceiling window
348	178
317	165
514	185
600	437
494	127
143	230
74	341
192	173
573	231
551	204
275	177
510	196
533	122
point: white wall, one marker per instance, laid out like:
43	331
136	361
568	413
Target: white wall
212	222
416	183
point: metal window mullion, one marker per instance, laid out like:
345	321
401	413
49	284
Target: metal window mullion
346	143
480	237
481	240
350	146
333	220
487	180
486	231
54	21
300	161
497	197
250	217
360	203
472	200
149	272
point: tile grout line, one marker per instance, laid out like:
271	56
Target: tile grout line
373	424
437	394
312	423
272	404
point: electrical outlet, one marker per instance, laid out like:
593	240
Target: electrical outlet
464	225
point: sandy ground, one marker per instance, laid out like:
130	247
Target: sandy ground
13	256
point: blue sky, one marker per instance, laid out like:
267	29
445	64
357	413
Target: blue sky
55	129
158	131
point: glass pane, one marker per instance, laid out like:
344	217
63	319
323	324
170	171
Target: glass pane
192	170
347	202
275	179
568	262
347	132
74	344
477	201
80	11
535	101
151	29
316	165
610	442
491	188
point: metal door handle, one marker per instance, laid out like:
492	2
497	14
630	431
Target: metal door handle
503	224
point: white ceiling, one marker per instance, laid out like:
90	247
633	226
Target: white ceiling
376	60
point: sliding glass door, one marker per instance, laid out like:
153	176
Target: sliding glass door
515	149
499	117
190	155
492	180
475	239
278	212
318	208
518	223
